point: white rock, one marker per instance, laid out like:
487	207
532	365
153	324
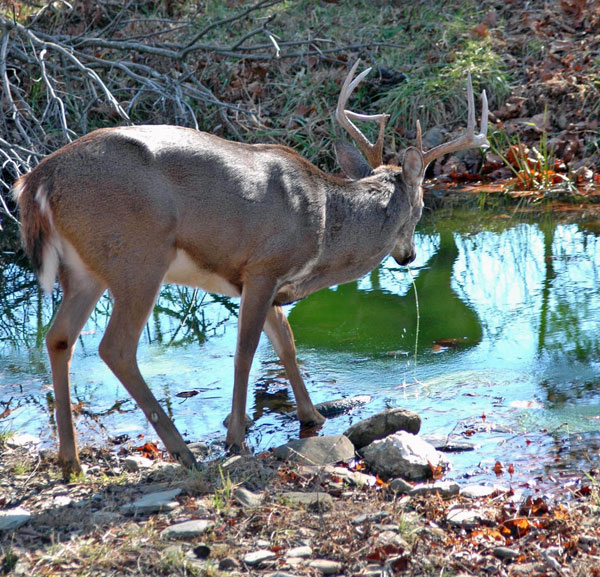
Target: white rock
11	519
62	500
477	491
22	440
403	455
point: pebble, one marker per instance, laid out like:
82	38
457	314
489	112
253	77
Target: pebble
370	517
505	553
187	529
256	558
22	440
400	486
11	519
153	502
466	518
301	552
444	488
312	501
247	498
477	491
62	500
326	567
134	463
228	564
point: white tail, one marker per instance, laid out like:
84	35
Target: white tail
131	208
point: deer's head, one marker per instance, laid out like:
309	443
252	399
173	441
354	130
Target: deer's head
408	177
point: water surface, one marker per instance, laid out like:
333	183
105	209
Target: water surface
496	341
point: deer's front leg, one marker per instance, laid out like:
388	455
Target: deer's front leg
257	295
280	334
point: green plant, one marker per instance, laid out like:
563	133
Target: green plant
223	496
534	168
5	434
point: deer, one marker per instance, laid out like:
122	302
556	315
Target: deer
130	208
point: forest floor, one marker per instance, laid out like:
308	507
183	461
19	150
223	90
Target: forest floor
545	145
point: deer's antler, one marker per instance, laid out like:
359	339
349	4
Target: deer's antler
373	152
467	140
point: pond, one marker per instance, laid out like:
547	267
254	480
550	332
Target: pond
492	336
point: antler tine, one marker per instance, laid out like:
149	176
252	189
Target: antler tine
373	152
467	140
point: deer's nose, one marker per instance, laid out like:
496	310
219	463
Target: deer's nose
407	260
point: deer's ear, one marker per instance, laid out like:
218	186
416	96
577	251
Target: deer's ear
351	160
413	166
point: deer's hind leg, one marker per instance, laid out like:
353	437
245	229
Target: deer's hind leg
134	289
81	292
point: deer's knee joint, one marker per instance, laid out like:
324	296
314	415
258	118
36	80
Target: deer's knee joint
57	343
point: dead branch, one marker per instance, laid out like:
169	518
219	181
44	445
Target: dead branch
62	74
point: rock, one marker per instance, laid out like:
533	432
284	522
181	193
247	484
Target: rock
400	486
312	501
153	503
228	564
449	444
355	477
370	517
403	455
22	440
444	488
333	408
256	558
465	518
383	424
202	551
246	498
136	462
505	553
317	450
11	519
433	137
62	500
104	517
391	539
249	423
187	529
477	491
299	552
326	567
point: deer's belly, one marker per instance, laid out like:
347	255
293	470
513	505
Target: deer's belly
183	270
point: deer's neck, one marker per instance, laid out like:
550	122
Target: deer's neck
359	231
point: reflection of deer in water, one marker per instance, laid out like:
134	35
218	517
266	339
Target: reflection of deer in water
375	321
127	209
